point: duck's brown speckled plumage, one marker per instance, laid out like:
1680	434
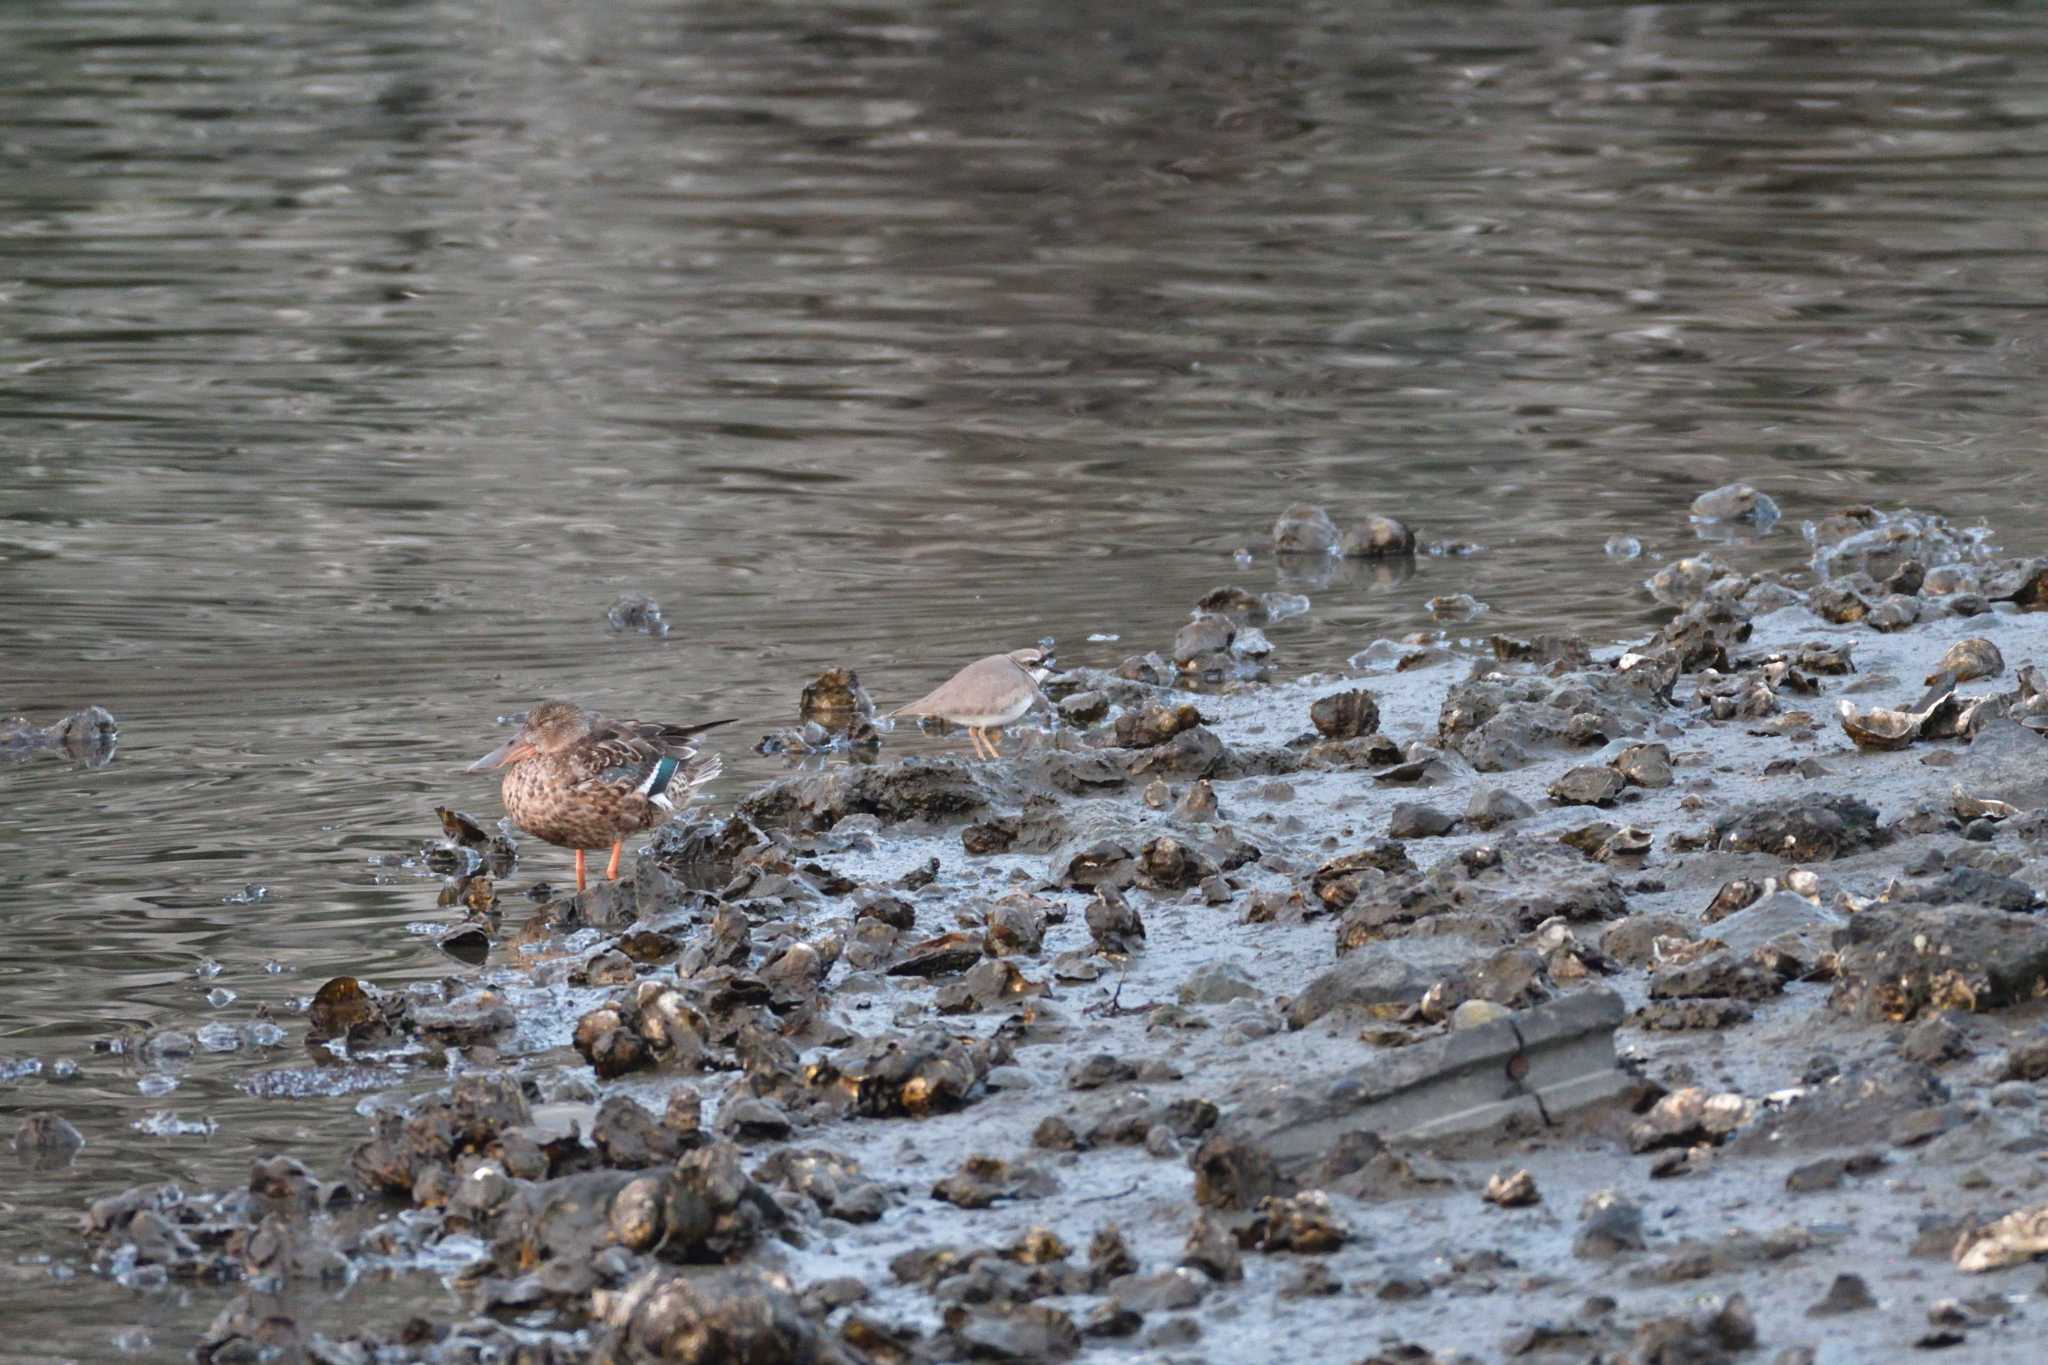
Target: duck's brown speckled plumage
583	782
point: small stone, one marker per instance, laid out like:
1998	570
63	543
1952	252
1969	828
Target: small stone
1814	1176
1492	807
1456	608
1377	537
1202	636
1848	1294
637	613
1587	785
1610	1224
1197	803
1512	1189
1084	708
1219	983
1735	502
1645	765
1212	1250
1055	1134
1473	1013
1412	820
1304	529
1345	715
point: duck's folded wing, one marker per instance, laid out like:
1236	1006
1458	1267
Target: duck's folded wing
640	757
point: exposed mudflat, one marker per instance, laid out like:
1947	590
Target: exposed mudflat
913	1084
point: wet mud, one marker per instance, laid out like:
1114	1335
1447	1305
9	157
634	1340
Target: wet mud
1534	1000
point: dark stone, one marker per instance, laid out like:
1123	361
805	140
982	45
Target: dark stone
1934	1041
1814	1176
1154	725
1969	886
1492	807
1113	923
1807	829
1412	820
1675	1016
1589	784
1610	1226
1716	974
1645	765
836	700
730	1315
1084	708
1212	1249
933	791
1900	964
1848	1294
1345	715
926	1072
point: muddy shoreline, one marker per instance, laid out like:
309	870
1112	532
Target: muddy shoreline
932	1059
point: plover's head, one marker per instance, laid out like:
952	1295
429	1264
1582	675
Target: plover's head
1035	661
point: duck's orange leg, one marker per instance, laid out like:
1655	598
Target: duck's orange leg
579	869
611	869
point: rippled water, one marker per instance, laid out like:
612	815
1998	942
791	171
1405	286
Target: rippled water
354	358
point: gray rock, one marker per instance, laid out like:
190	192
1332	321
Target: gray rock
1202	636
1589	784
1370	980
1217	984
1610	1226
1717	975
1806	829
1898	964
1492	807
1490	894
1645	765
1345	715
1735	502
1501	723
1084	708
1412	820
1848	1294
1304	529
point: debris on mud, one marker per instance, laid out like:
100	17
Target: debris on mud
1615	985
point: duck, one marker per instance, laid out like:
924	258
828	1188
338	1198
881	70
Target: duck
579	781
987	695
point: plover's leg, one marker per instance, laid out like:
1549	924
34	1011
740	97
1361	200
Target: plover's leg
990	738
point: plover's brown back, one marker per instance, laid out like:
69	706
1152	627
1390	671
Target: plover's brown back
988	694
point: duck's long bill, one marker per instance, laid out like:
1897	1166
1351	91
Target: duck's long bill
513	750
